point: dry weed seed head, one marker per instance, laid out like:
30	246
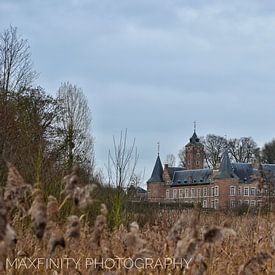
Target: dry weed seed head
133	243
8	237
255	265
217	234
82	196
175	232
100	226
71	181
3	219
16	190
134	228
52	209
56	239
104	210
38	212
73	227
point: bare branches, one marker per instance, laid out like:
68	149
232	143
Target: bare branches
16	73
122	162
243	149
214	147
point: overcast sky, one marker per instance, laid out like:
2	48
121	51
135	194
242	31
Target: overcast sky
155	66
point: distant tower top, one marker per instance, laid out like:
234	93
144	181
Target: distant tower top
158	147
194	153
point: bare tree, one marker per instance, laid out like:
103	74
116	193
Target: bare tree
121	171
122	162
16	69
243	149
268	152
74	126
181	156
214	147
170	160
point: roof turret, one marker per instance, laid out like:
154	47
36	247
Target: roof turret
157	172
194	139
226	170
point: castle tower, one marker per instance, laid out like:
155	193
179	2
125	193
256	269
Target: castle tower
194	153
156	185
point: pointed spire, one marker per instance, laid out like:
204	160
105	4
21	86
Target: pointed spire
226	170
157	172
194	138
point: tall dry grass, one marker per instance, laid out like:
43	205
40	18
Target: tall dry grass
215	243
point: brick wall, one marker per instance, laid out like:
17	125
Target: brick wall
165	175
156	191
218	194
194	156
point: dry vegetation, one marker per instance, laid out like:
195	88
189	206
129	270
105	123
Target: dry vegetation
214	243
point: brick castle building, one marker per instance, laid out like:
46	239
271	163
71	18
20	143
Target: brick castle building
231	185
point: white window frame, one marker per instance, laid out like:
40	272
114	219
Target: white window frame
232	190
193	193
253	203
239	191
167	194
199	192
186	192
246	191
212	203
246	202
216	191
253	194
232	203
181	193
175	193
204	203
212	191
204	192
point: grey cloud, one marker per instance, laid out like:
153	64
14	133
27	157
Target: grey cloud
154	66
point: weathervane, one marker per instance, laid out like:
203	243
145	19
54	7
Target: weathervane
158	147
195	125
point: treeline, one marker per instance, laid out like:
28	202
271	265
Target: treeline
41	134
243	149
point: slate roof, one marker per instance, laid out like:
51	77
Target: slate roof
172	170
269	168
194	140
191	177
141	190
157	172
226	169
244	171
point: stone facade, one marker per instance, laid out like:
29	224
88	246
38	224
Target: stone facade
232	185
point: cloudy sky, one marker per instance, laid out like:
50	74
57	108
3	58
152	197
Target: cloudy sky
155	66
